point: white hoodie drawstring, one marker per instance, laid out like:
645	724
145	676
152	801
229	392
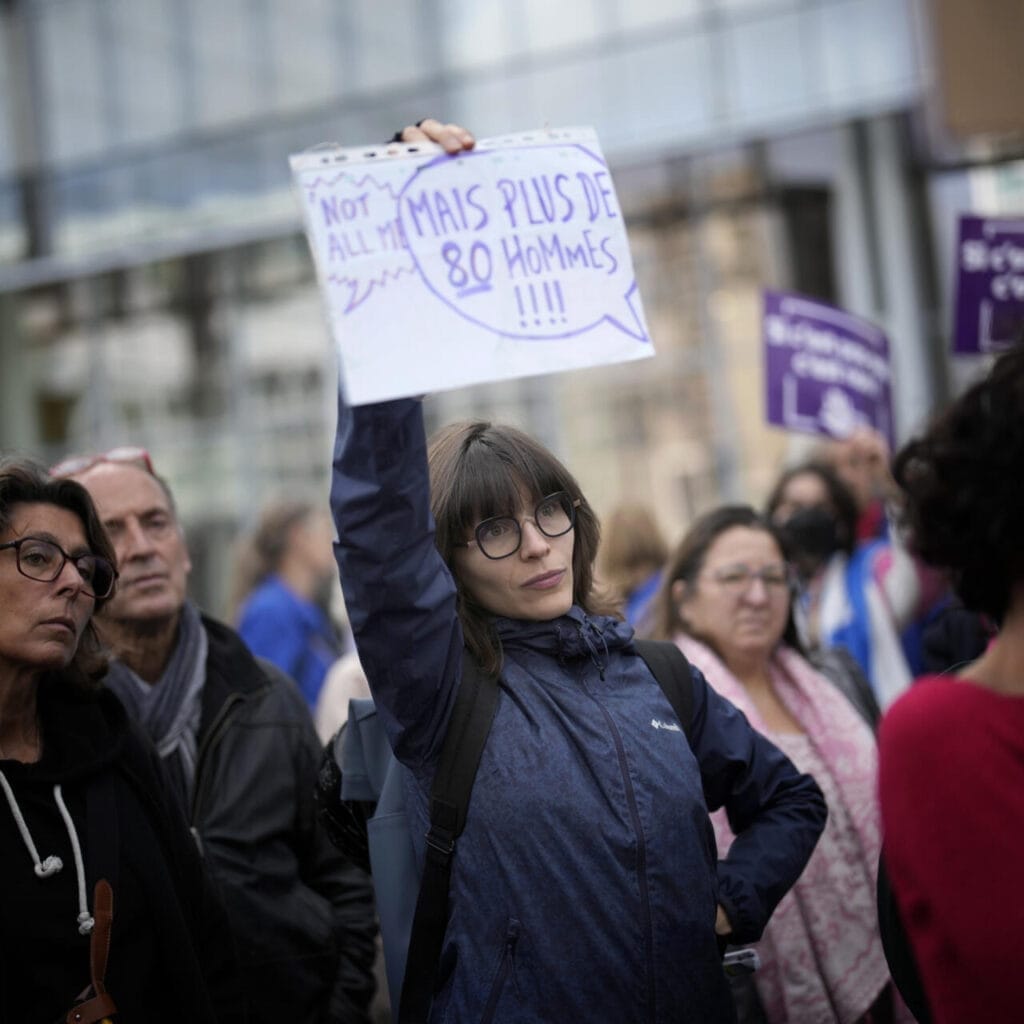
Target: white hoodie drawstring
85	919
53	863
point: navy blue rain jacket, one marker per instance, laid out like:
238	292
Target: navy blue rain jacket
585	884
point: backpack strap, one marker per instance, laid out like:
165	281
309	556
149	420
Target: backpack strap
670	667
475	705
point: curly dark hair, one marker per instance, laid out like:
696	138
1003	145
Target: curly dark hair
24	481
963	482
477	470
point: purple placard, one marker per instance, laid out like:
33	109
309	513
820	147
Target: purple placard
989	284
826	371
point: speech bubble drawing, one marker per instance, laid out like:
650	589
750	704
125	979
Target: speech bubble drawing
359	237
529	243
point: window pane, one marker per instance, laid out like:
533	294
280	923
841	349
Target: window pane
72	86
476	33
647	13
391	50
566	23
145	48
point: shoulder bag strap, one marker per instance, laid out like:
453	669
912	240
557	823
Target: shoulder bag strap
470	724
97	1004
669	666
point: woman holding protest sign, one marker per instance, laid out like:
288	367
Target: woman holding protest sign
585	885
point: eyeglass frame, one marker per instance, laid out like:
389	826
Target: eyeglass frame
65	558
574	503
129	455
789	581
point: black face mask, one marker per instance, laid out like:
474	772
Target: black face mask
812	536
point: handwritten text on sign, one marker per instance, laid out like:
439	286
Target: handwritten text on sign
990	284
826	371
509	260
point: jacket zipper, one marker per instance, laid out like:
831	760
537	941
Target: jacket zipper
641	853
511	938
212	738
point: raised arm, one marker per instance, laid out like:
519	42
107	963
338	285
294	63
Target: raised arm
776	812
399	593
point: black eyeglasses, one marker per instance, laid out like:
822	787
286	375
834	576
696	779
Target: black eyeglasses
501	536
44	561
738	578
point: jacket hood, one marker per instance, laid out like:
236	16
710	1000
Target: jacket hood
82	732
570	637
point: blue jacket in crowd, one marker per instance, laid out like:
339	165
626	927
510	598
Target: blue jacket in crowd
292	632
585	885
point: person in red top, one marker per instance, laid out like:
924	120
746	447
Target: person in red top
952	747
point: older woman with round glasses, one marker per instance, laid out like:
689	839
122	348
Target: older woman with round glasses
103	894
727	603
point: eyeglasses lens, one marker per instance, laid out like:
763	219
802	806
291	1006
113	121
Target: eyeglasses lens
501	536
740	577
42	561
97	573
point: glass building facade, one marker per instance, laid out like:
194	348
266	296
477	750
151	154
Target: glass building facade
156	288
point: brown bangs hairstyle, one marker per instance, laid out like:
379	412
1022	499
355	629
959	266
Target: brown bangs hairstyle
479	470
25	482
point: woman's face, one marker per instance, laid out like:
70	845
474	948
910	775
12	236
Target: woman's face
803	491
807	519
535	582
740	599
42	623
312	541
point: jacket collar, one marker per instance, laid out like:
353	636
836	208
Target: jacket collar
570	637
231	669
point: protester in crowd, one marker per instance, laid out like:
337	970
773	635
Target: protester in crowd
85	796
285	577
238	744
726	602
953	637
952	749
633	552
861	461
585	884
857	597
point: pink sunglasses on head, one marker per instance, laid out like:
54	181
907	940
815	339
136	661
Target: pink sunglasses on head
127	454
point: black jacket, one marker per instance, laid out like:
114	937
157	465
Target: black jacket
303	919
171	954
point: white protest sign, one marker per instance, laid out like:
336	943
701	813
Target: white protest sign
440	271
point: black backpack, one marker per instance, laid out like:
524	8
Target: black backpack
346	818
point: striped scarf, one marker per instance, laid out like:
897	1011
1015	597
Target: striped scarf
169	710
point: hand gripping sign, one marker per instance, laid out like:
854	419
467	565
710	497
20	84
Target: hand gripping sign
440	271
826	371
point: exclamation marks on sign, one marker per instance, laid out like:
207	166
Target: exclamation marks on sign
544	301
556	301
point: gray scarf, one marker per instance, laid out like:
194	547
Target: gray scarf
169	709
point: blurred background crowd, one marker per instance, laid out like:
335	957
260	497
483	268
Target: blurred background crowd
155	283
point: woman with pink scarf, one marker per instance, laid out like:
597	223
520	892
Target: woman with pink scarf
726	601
